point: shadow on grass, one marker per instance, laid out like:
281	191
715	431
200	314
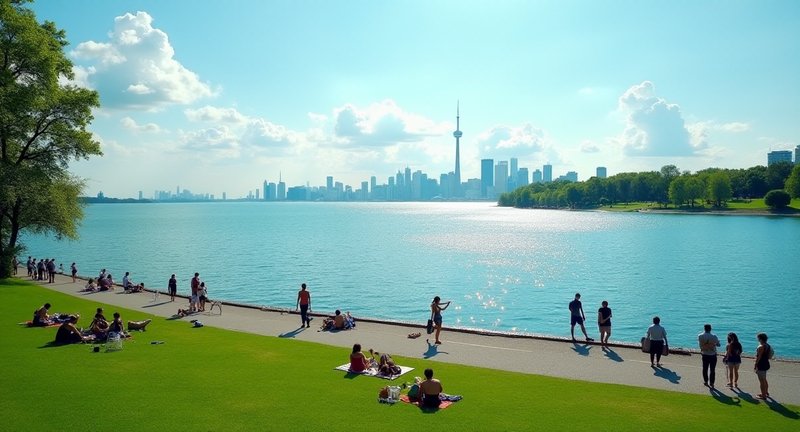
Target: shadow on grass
747	397
433	350
612	355
723	398
581	349
781	409
292	333
667	374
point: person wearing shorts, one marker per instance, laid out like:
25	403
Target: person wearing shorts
763	354
304	304
74	270
577	317
194	301
172	285
604	323
657	336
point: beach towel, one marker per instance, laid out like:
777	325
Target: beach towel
444	404
373	372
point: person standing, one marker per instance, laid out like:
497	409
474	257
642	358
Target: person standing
708	348
304	304
658	339
74	270
732	359
577	317
30	266
604	323
763	354
15	263
51	270
436	315
195	284
172	285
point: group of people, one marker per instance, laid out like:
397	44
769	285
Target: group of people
44	269
100	328
656	337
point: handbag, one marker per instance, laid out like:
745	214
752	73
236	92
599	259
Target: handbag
645	345
665	351
429	328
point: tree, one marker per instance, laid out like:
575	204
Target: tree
719	188
777	174
42	128
694	189
793	182
677	191
777	199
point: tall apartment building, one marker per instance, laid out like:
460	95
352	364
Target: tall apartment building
547	173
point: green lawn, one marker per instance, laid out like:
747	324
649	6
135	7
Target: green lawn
212	379
732	206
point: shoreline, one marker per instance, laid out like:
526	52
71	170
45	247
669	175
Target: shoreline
677	350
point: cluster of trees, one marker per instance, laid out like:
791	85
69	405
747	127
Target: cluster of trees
667	186
42	128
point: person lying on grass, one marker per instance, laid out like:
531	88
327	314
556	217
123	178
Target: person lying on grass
386	365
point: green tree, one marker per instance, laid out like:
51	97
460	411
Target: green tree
777	199
793	182
677	191
42	128
694	189
719	188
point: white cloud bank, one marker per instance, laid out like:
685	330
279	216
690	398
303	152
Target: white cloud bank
136	68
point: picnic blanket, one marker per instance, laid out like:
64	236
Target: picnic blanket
444	404
374	372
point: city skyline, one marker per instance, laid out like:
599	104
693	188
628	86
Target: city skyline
572	84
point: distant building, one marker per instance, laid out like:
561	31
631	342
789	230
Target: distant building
257	198
272	192
522	177
281	195
296	193
547	173
797	155
774	157
487	176
536	177
224	196
512	173
571	176
140	195
601	172
100	195
265	188
501	177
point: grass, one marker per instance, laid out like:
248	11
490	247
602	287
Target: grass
753	205
213	379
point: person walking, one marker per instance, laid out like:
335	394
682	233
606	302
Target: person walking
436	315
304	304
732	360
763	354
708	348
604	323
577	317
195	284
657	336
74	270
172	285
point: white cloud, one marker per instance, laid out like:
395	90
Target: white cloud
214	114
735	127
382	124
265	134
653	126
220	140
130	124
512	141
588	146
136	68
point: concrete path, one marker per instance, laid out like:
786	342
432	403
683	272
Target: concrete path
589	362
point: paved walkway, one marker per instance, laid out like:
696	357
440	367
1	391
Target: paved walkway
621	365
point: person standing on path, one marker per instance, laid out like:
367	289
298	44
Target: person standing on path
51	271
577	317
436	315
763	354
658	339
304	304
195	284
74	270
708	348
604	323
172	285
732	359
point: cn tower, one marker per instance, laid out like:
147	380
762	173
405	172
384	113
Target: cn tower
457	134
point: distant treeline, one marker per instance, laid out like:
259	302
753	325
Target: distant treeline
669	185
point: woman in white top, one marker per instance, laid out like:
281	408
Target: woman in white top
658	338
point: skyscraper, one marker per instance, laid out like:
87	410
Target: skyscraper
537	176
457	134
522	177
265	188
797	155
547	173
281	188
779	156
602	172
487	176
501	177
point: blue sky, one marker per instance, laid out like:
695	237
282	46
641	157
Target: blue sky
219	96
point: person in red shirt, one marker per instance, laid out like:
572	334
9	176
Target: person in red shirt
194	302
304	304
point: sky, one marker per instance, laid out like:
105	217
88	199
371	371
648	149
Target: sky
218	96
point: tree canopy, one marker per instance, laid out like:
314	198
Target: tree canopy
43	122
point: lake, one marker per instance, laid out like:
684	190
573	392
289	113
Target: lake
504	269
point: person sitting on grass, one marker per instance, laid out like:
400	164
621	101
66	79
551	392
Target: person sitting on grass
40	316
99	325
358	361
429	390
68	333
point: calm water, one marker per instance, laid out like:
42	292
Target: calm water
504	269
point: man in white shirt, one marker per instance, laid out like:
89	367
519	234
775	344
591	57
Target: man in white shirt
708	348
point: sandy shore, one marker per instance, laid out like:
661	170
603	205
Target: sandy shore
620	365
